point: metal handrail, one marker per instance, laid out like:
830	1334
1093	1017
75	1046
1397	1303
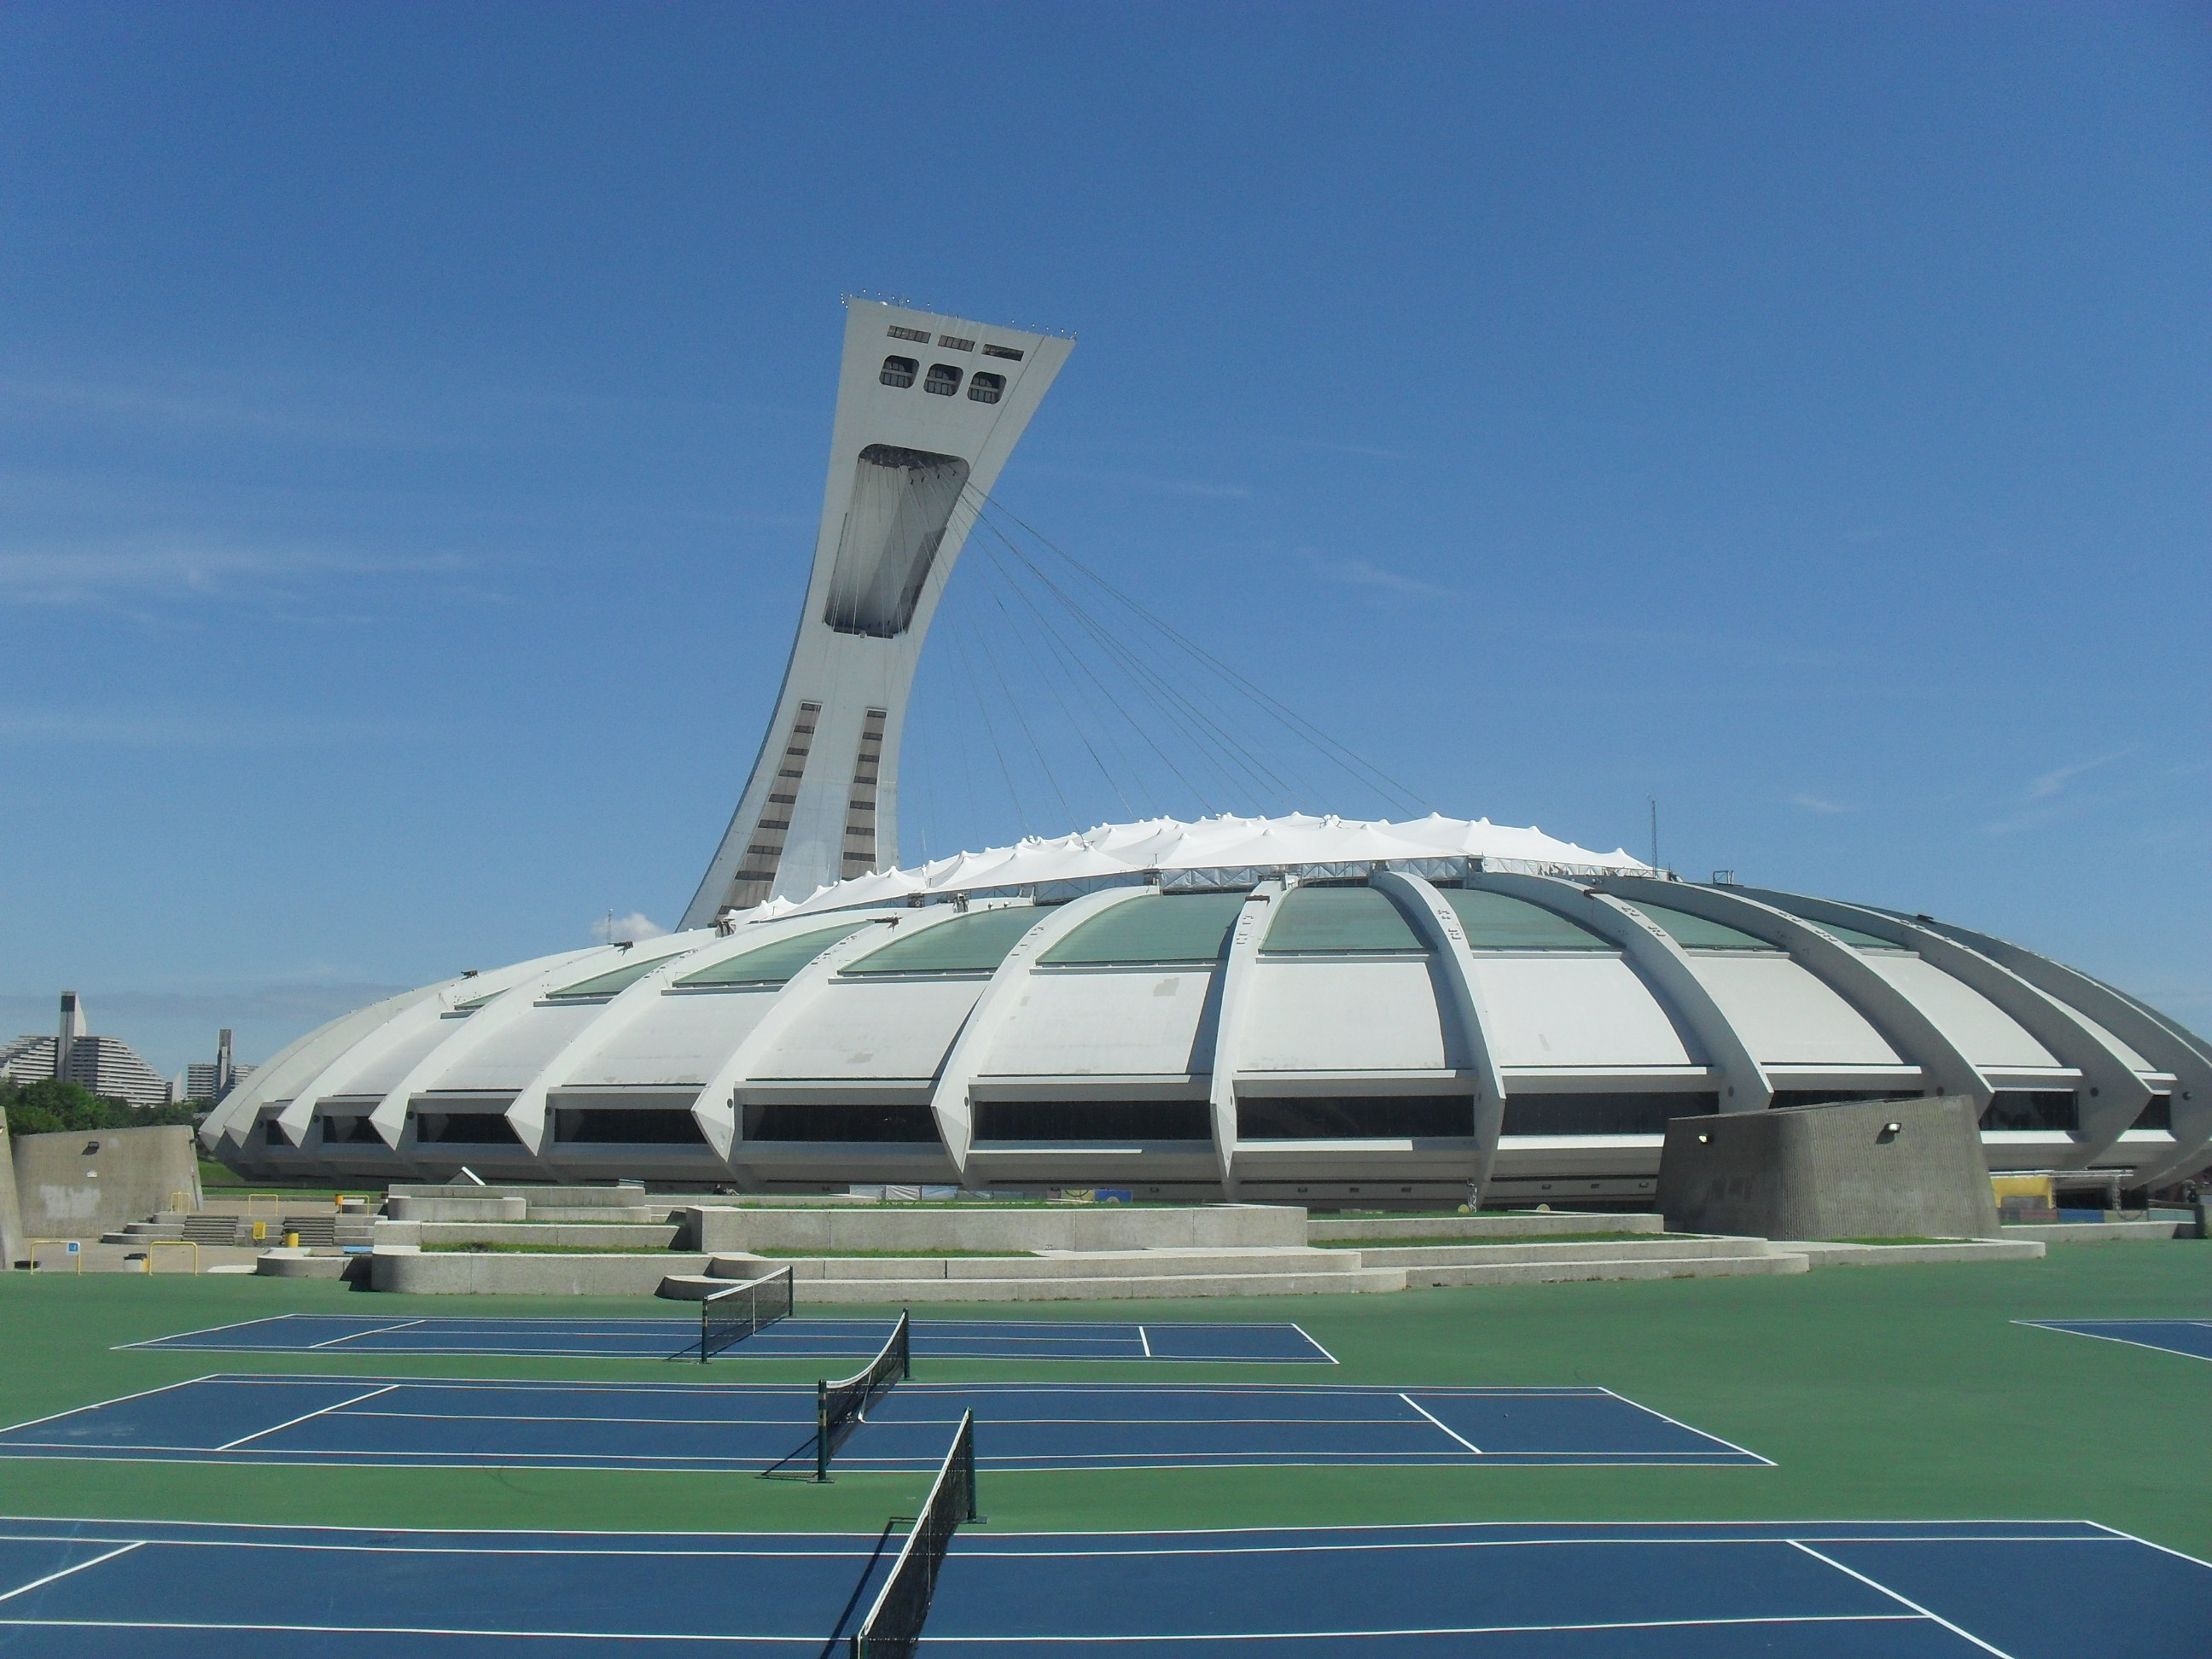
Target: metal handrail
172	1244
77	1250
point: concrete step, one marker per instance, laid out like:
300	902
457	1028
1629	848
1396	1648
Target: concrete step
1825	1253
1048	1265
1162	1285
2092	1233
1445	1228
1559	1271
1677	1247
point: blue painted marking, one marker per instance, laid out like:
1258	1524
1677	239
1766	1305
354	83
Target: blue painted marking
313	1419
2192	1337
1530	1591
791	1338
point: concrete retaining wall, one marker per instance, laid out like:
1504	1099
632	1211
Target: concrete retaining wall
1824	1253
12	1247
922	1231
83	1182
461	1272
578	1235
1840	1171
1519	1222
2092	1233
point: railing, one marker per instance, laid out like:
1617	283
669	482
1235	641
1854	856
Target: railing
277	1205
74	1248
153	1244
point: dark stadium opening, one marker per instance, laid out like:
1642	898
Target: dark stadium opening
1601	1114
944	380
866	1122
2157	1114
1094	1120
464	1129
272	1134
634	1126
898	371
1833	1096
1354	1117
2052	1111
350	1132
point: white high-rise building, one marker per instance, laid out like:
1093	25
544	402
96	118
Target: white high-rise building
105	1065
928	409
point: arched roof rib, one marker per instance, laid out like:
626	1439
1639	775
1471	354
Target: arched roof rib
1440	925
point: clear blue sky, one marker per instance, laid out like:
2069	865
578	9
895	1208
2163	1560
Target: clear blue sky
414	420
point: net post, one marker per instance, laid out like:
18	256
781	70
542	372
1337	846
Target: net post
822	1432
906	1344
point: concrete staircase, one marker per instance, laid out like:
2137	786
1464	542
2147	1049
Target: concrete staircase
1429	1265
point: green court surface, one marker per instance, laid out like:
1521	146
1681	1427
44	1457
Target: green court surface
1893	1393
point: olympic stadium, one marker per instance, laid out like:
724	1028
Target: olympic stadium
1288	1006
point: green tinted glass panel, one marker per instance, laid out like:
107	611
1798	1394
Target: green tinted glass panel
1853	936
1338	921
1696	933
974	943
606	985
773	964
1495	922
1166	928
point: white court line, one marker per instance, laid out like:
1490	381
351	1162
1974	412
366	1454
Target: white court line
862	1549
1324	1352
2074	1329
56	1417
1432	1418
1146	1341
180	1336
813	1641
1902	1601
24	1589
1701	1433
351	1336
1453	1630
2130	1538
233	1445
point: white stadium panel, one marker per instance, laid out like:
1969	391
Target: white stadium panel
681	1039
1984	1033
1786	1016
511	1057
894	1030
1589	1010
382	1074
1344	1015
1113	1021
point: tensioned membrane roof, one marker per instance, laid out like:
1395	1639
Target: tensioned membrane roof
1228	843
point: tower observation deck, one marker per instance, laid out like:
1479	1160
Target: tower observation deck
929	407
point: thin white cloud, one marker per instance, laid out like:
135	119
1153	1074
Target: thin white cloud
1363	573
1813	803
611	930
102	572
169	728
2052	782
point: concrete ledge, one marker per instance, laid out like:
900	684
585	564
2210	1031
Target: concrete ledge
1164	1286
407	1206
1829	1253
925	1232
308	1264
1644	1267
2090	1232
1673	1247
1519	1222
575	1236
465	1273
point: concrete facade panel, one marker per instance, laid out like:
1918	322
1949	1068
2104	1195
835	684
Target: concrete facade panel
1348	1016
1983	1032
1583	1010
1786	1016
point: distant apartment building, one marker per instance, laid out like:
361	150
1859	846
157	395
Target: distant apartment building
213	1080
105	1065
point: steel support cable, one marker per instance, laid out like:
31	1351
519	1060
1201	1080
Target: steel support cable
1345	756
1163	691
1077	661
991	732
1044	762
1170	697
1052	682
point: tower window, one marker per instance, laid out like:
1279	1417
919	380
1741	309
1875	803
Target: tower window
921	335
944	380
985	388
898	371
1008	352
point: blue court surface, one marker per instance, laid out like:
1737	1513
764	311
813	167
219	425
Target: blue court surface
438	1423
1699	1590
2192	1337
787	1338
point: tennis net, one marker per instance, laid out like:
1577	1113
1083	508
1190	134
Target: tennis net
839	1406
734	1315
892	1629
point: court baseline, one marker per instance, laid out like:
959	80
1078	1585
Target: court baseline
424	1422
1831	1590
2191	1337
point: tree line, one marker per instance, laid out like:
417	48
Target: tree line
49	1105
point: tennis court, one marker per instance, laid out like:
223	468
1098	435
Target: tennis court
2192	1337
788	1338
1854	1590
442	1423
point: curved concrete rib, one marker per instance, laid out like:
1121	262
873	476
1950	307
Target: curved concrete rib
2116	1093
1438	924
389	1115
1662	965
298	1061
951	1104
1239	962
715	1108
1836	965
2169	1046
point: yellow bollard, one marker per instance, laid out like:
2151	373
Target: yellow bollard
260	1232
291	1241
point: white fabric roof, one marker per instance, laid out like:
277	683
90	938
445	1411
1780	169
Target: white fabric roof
1217	843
